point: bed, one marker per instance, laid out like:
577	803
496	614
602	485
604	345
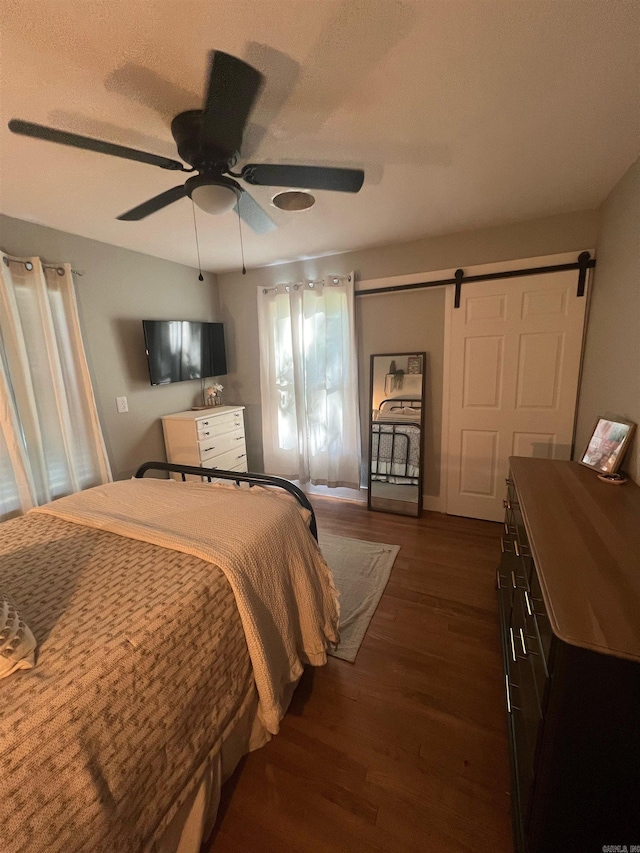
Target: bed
173	621
396	440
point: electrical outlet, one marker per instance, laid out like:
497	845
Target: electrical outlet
122	405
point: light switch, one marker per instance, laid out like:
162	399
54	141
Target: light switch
122	405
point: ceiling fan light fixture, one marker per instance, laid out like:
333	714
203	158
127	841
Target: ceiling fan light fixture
214	198
293	200
209	140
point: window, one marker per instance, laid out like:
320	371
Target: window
309	382
51	442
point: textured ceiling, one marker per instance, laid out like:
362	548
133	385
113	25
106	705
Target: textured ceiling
463	113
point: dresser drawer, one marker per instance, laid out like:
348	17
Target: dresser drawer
232	460
511	564
505	577
203	424
526	707
527	644
535	652
206	431
220	444
540	613
215	425
524	733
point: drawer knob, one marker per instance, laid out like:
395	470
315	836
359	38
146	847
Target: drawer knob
513	581
240	438
242	455
207	449
204	423
515	548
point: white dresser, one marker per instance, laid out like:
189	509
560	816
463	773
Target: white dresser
211	438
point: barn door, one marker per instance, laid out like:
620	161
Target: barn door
514	358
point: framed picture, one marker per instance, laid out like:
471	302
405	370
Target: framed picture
607	445
414	364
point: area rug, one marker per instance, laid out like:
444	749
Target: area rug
361	571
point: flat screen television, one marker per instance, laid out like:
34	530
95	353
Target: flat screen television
178	350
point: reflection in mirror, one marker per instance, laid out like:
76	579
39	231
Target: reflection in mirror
395	434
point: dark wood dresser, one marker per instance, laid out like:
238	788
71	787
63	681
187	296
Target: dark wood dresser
569	596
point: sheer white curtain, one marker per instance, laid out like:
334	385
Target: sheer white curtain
309	382
50	438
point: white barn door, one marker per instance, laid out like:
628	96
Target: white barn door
514	357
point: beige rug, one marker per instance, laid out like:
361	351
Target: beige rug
361	571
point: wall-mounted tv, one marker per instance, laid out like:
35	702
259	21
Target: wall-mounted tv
178	350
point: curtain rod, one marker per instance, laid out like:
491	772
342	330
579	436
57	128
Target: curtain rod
330	281
29	266
584	262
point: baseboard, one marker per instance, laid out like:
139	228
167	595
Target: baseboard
434	503
359	495
431	503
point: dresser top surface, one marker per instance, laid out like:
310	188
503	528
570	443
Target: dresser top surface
191	415
585	540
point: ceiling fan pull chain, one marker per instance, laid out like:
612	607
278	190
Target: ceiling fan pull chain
195	228
244	269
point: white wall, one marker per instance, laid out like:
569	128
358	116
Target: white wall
611	370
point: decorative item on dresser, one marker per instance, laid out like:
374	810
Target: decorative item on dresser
214	439
569	598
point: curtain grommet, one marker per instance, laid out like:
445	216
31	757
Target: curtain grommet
28	265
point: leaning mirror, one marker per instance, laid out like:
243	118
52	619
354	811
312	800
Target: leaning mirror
395	433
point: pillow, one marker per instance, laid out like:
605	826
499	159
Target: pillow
17	643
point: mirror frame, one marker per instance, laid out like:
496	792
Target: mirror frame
392	355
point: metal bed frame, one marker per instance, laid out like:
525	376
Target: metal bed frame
399	403
238	477
403	402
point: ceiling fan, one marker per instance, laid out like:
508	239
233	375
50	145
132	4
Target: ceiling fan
210	141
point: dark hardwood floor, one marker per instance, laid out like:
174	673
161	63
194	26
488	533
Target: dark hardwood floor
406	749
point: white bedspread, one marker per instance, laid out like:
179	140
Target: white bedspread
283	588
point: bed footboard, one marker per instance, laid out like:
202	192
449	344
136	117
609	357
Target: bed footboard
238	477
399	453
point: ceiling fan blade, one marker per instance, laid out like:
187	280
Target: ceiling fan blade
154	204
256	218
304	177
50	134
232	90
